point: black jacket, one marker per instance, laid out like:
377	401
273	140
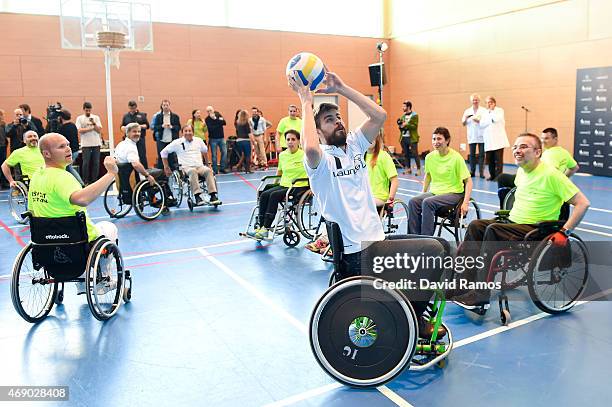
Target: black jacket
215	126
158	121
139	117
15	133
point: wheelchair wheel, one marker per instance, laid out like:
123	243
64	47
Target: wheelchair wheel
175	183
395	220
127	289
18	201
148	200
363	336
114	205
509	200
104	279
461	225
557	277
33	292
308	215
291	238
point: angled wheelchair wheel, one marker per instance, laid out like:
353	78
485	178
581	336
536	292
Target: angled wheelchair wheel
557	277
291	238
395	220
113	202
104	279
308	215
175	183
18	201
363	336
148	200
33	292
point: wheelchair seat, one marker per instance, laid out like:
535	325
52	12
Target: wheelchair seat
60	245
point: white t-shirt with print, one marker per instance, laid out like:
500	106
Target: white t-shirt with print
91	138
189	153
126	152
344	194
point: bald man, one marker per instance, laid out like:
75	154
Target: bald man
28	158
55	193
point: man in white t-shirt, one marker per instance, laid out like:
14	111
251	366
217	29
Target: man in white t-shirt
89	127
336	168
191	152
127	151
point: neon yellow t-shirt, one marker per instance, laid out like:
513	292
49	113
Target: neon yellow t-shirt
447	173
29	159
199	128
540	194
559	158
380	176
286	123
292	167
49	196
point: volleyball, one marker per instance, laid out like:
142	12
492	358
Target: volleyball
309	68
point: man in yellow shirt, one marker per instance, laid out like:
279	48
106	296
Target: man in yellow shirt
540	192
292	122
55	193
556	155
290	167
28	157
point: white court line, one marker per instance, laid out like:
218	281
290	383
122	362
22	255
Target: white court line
255	292
306	395
133	214
394	397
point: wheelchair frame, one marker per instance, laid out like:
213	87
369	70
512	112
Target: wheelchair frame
93	277
289	217
18	199
446	219
179	182
419	354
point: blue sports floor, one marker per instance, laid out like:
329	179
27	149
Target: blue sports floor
217	320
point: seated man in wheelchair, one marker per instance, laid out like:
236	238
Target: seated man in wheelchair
449	178
126	151
191	152
290	167
28	158
55	193
339	177
540	192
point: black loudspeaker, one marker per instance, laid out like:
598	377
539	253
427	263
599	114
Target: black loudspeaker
375	74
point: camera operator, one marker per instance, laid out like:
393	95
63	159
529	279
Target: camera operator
69	130
27	113
89	127
16	129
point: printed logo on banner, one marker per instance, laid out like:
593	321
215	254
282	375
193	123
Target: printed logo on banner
602	77
601	88
584	143
599	143
601	98
585	122
598	154
585	109
587	88
600	122
583	153
585	133
586	78
589	99
598	164
601	109
600	133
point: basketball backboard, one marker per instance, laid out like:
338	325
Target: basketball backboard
81	20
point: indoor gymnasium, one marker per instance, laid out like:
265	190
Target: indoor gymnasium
266	203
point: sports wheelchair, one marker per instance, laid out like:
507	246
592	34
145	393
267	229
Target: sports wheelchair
363	334
297	214
60	253
449	218
178	182
555	276
149	201
18	199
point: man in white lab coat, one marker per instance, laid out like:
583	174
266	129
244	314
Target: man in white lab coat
495	137
471	120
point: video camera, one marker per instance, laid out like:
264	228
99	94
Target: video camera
53	116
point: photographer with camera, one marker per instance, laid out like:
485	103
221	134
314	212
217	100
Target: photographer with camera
89	128
16	129
27	113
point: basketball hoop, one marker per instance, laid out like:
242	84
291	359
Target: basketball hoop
112	42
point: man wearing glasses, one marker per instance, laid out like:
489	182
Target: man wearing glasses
540	191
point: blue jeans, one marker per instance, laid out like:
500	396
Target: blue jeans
422	211
220	143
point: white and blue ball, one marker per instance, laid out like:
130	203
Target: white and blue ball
309	69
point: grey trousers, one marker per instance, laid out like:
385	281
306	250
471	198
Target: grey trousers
422	209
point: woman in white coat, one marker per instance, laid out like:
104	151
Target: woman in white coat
495	137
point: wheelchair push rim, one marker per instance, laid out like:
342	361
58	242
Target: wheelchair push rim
18	201
33	292
308	215
113	204
362	336
175	183
553	286
105	279
148	200
397	223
